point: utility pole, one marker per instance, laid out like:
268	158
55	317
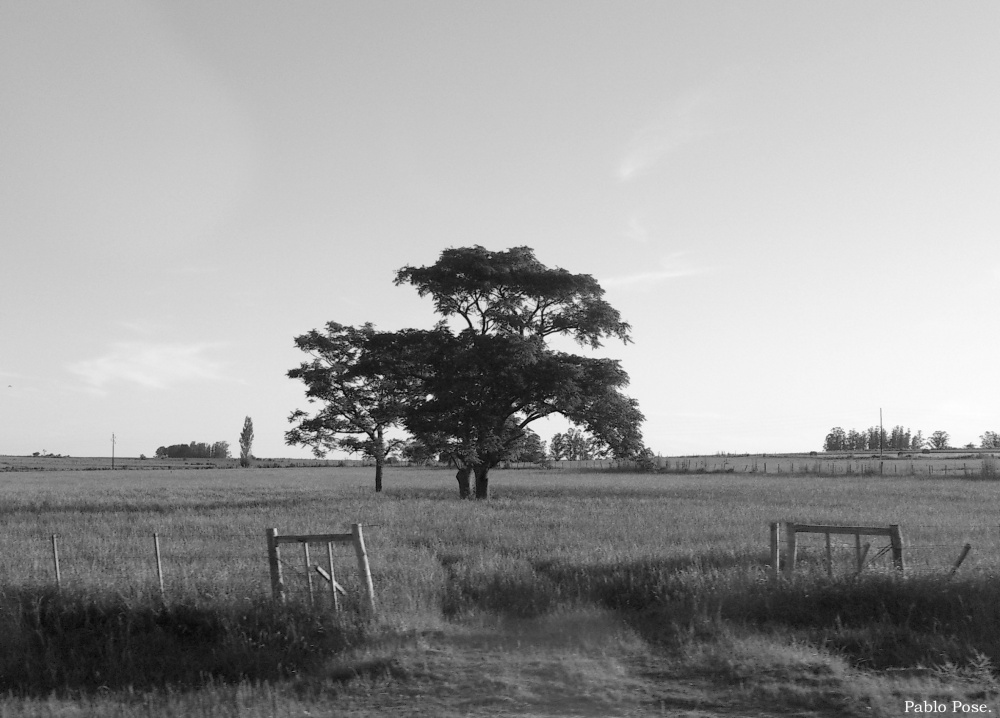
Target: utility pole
881	432
112	452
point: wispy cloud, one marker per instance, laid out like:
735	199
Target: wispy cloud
637	231
673	266
157	366
679	123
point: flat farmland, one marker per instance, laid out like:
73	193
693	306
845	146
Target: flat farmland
620	593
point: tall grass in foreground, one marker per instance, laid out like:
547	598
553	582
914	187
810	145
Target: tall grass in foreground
76	641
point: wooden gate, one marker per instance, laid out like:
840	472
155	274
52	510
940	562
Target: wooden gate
861	552
356	537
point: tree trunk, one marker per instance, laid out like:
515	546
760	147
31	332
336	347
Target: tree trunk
482	482
379	457
463	482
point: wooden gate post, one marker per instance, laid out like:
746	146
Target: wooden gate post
274	559
333	580
363	568
896	539
309	576
789	549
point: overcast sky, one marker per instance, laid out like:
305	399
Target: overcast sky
795	204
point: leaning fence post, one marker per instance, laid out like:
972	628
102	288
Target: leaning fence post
159	565
961	557
363	568
789	549
775	548
277	585
896	539
55	560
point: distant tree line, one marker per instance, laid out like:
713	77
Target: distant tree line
897	439
575	445
194	450
530	449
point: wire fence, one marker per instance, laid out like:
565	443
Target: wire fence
979	467
175	565
171	566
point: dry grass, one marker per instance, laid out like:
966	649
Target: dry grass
567	594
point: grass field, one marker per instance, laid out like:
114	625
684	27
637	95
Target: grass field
566	594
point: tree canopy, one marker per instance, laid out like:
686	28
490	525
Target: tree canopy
511	292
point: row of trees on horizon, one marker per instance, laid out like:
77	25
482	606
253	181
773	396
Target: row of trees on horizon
194	450
572	445
898	439
217	450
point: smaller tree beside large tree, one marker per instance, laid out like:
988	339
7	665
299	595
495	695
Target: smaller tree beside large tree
359	401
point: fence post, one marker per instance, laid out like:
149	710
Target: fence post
896	539
829	557
55	560
775	548
274	559
789	549
363	568
159	564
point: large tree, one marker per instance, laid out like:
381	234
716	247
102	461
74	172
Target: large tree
836	440
358	405
472	389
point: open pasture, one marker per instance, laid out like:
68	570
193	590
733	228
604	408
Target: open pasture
663	571
211	523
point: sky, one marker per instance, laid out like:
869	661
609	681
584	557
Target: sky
795	205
